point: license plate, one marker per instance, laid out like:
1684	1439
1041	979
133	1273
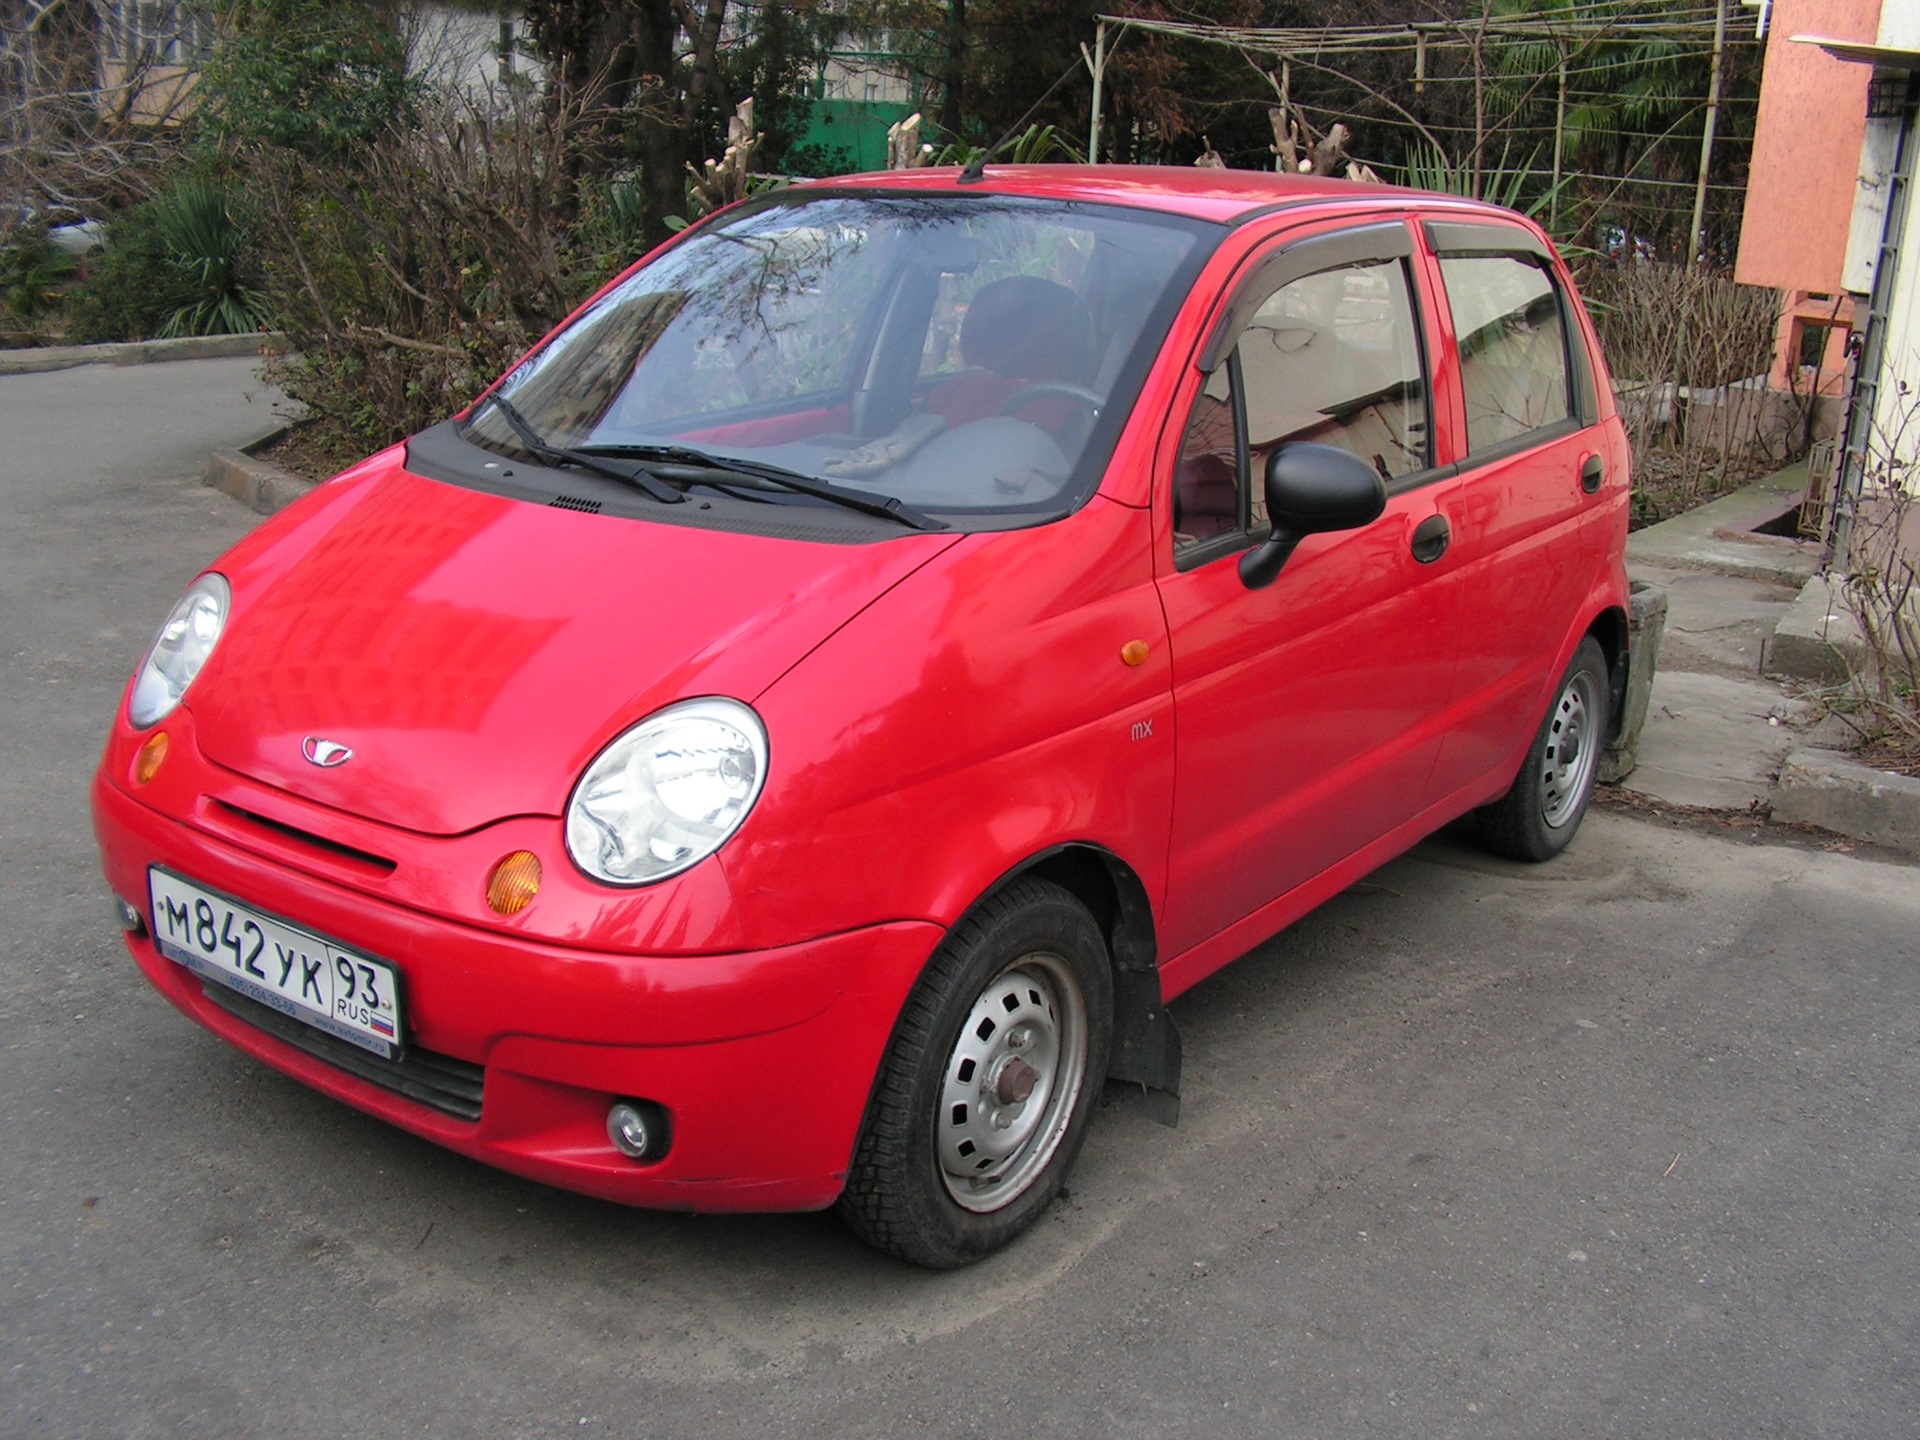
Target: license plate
292	970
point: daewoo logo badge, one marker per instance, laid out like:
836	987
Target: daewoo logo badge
324	753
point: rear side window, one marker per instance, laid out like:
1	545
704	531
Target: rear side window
1511	329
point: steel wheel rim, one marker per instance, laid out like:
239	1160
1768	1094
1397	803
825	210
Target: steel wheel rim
1572	750
993	1147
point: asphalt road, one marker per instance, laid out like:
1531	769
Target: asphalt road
1624	1145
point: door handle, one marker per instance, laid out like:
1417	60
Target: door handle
1430	539
1592	471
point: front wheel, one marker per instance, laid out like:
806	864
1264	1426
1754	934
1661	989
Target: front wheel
1536	819
990	1083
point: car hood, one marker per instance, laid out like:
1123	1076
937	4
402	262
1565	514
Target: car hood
475	652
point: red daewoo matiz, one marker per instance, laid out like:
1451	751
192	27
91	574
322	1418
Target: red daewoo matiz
785	744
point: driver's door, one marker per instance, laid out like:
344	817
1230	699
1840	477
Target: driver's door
1307	712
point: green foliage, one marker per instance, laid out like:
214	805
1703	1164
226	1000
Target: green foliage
1036	145
32	274
310	76
134	286
206	245
1514	186
177	264
782	48
1635	85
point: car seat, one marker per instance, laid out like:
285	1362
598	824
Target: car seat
1019	331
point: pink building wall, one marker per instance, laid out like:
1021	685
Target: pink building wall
1806	148
1800	187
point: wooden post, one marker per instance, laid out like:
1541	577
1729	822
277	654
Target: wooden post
1280	161
1706	139
1559	145
1097	63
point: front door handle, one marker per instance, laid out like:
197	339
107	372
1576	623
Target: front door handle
1430	539
1592	471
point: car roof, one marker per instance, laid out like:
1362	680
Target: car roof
1223	196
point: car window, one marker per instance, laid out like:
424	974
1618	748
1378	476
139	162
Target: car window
960	354
1334	358
1207	489
1050	256
1513	350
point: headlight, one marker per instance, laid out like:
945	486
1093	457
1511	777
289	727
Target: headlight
180	649
668	792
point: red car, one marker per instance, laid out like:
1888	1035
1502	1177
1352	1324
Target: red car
786	743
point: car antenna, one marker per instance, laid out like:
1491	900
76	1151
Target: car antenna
976	170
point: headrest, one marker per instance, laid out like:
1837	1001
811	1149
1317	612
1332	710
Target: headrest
1027	328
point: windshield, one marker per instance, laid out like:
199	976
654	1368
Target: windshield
965	355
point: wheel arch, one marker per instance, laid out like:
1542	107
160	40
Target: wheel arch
1146	1044
1609	630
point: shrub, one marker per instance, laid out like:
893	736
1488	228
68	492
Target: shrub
133	288
174	265
415	270
206	245
32	276
1680	342
311	76
1880	579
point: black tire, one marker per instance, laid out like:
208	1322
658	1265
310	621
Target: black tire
1537	818
1026	977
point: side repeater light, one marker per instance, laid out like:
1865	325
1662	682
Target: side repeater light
147	763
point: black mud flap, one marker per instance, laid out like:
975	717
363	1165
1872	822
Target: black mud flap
1146	1046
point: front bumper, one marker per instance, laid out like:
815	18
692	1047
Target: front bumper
763	1060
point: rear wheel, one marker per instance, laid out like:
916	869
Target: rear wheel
990	1083
1537	818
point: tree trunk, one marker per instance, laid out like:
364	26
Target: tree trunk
621	53
954	81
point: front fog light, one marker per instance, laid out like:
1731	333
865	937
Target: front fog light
668	792
638	1129
131	920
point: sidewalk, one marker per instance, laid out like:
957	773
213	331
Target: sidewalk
1751	631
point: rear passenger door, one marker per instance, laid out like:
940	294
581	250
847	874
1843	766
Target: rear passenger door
1307	712
1527	516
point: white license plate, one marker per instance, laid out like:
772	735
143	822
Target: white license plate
293	970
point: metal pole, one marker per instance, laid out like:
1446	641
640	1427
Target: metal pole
1706	139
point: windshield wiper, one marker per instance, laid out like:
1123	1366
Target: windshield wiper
637	476
866	501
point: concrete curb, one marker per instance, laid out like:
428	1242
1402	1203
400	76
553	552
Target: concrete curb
260	485
1825	788
141	352
1720	535
1817	640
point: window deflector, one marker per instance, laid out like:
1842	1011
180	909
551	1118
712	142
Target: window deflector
1456	238
1387	240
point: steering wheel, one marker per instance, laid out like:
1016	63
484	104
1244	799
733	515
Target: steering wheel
1053	390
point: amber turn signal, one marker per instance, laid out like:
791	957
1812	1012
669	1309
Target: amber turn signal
146	764
1134	652
513	883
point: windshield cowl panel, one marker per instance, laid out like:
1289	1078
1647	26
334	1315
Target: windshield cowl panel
961	360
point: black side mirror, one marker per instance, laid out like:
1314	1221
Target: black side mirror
1311	489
